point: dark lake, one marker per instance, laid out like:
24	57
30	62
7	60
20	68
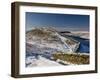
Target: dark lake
84	46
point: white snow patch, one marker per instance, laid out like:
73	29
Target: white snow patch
42	62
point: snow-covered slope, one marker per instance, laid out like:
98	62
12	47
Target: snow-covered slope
42	43
41	61
49	38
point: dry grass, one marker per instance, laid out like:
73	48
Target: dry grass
73	58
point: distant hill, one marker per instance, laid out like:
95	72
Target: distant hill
65	32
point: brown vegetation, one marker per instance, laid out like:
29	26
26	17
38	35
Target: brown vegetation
73	58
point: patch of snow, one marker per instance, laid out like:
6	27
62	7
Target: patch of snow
41	61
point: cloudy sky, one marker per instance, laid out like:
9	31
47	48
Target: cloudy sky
63	22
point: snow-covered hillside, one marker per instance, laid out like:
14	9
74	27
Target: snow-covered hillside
41	43
49	38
